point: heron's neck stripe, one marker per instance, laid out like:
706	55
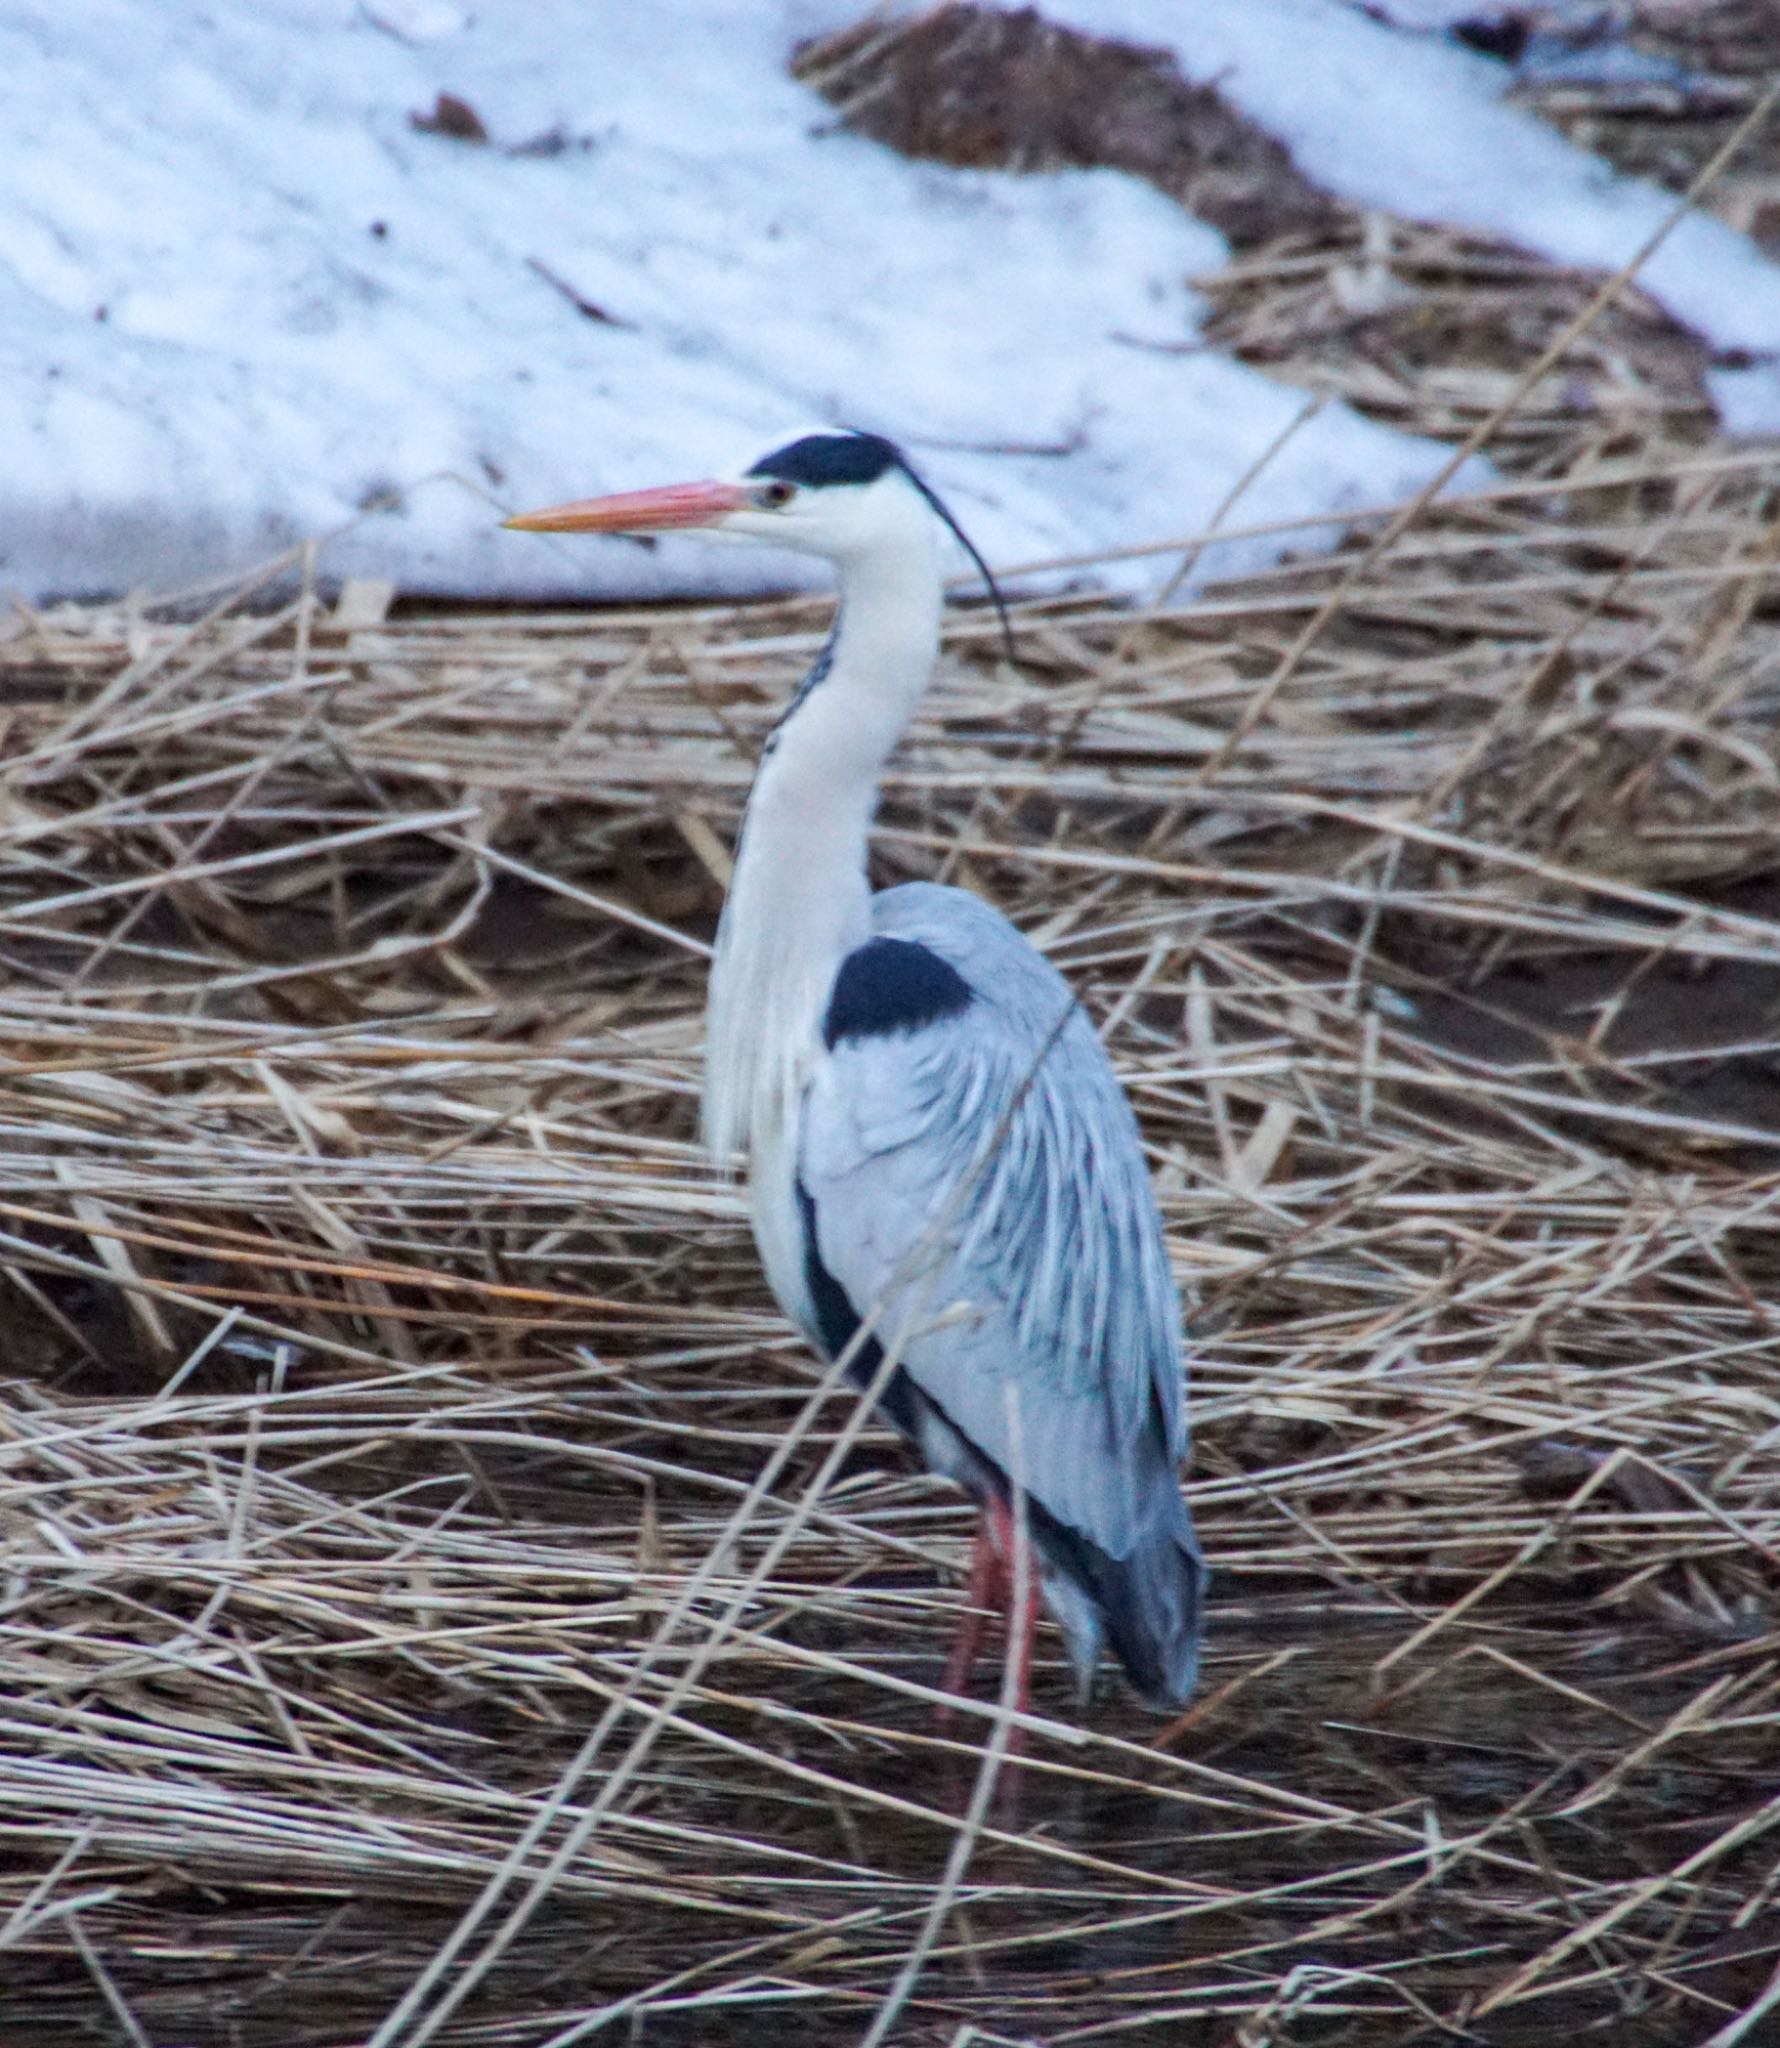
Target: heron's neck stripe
892	985
818	674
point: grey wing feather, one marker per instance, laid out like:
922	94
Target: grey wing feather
981	1182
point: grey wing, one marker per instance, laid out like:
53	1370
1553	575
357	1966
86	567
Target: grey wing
979	1181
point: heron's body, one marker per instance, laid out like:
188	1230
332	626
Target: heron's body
938	1148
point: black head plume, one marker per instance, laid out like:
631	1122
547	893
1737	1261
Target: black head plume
845	457
852	456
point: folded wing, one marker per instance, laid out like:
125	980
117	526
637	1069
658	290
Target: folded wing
971	1175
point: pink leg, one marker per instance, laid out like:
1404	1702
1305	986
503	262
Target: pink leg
1027	1625
991	1591
986	1594
1022	1627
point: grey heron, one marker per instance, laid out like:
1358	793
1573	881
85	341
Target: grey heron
939	1152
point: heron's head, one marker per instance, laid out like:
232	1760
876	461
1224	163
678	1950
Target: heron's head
835	493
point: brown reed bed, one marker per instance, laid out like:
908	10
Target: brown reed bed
389	1383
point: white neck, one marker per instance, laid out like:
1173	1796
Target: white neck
799	902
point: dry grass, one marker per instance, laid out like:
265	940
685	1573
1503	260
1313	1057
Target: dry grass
440	1603
385	1367
1713	59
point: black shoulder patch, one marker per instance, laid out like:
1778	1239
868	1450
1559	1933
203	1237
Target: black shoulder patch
839	458
892	985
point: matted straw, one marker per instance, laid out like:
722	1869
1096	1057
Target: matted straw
385	1365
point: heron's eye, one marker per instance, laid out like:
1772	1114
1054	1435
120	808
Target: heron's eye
775	494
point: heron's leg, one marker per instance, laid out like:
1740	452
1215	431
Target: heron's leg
985	1595
1024	1626
1013	1546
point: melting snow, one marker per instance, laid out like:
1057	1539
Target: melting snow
1418	125
244	299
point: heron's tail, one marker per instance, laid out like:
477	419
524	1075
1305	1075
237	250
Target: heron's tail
1151	1604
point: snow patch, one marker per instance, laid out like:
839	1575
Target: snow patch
1748	400
245	299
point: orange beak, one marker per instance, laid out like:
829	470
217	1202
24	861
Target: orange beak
674	505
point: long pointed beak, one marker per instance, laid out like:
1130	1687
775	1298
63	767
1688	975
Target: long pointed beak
701	504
